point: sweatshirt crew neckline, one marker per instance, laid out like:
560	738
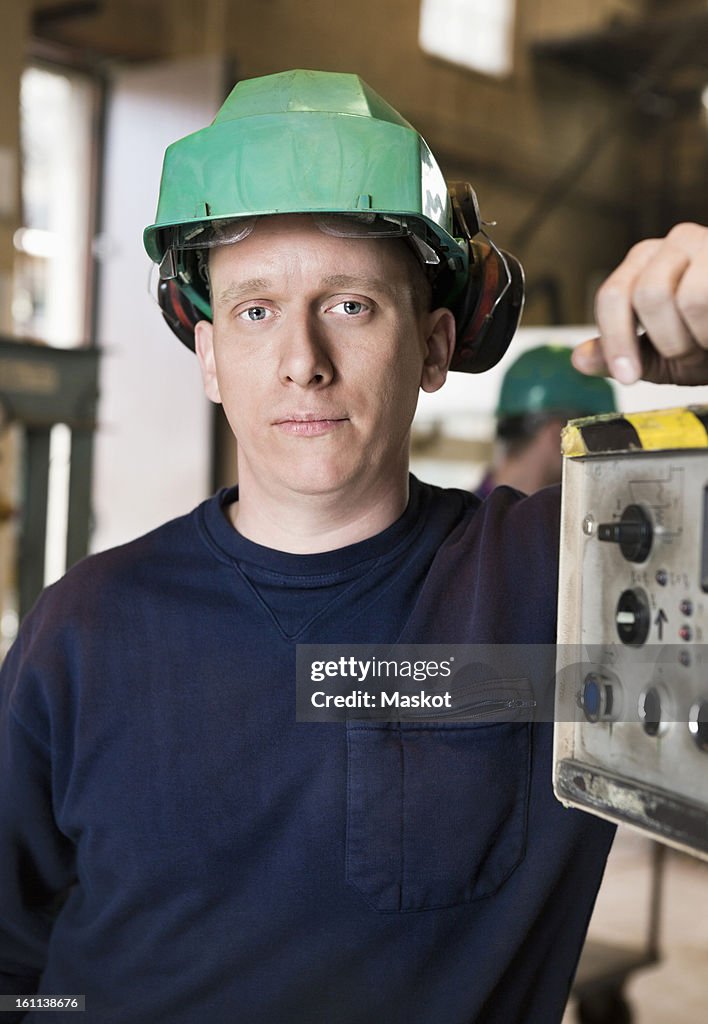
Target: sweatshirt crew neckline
233	546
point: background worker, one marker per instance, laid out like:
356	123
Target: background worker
540	392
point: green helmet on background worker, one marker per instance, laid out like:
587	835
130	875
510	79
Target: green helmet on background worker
540	392
325	144
543	380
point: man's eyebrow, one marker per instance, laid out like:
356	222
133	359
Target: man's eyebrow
253	285
239	289
354	282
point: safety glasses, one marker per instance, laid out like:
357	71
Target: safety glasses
209	234
375	225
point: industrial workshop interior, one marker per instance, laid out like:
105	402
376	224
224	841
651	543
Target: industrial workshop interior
583	128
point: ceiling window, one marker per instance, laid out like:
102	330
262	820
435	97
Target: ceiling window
475	34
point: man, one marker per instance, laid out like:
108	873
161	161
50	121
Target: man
540	392
175	845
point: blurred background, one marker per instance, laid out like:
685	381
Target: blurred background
582	126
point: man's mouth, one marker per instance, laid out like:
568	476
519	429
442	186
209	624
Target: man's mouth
309	424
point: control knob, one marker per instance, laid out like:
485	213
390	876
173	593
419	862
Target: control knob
632	617
633	532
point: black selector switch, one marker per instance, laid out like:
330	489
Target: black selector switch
632	617
633	532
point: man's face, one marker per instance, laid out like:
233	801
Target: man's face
317	351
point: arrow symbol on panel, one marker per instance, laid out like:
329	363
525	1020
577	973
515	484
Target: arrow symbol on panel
659	621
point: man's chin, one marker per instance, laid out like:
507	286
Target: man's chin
325	485
328	479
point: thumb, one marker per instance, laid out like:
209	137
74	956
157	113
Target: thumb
587	357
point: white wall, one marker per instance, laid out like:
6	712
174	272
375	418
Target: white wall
153	439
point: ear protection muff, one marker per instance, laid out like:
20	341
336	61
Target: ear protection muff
180	315
488	310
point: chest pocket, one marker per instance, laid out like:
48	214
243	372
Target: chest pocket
436	812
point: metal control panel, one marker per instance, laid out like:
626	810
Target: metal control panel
631	716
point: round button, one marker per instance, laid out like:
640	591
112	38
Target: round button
662	577
650	711
596	698
698	724
685	633
686	607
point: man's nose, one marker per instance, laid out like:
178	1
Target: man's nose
305	358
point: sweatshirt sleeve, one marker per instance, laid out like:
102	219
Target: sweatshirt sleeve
36	858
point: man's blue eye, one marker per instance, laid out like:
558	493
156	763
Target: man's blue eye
350	307
256	312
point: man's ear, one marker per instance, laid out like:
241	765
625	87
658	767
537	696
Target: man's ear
204	347
440	344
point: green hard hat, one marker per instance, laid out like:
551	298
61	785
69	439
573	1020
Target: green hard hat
300	142
543	380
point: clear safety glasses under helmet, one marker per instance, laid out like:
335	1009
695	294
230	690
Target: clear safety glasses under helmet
209	234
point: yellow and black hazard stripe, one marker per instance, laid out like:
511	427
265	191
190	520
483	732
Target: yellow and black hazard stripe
661	430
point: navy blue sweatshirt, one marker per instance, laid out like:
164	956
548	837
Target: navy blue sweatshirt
178	848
